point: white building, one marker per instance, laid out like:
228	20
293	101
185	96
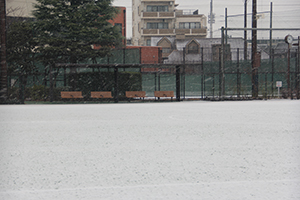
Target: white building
160	18
20	8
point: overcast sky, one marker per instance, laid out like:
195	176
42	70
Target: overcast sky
286	14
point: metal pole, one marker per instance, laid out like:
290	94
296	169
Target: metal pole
226	25
51	83
159	70
298	75
213	88
202	72
245	32
222	62
211	19
271	21
238	73
21	89
124	24
178	82
155	81
289	70
183	74
3	72
272	77
254	51
220	73
266	85
124	56
295	80
263	29
65	77
116	94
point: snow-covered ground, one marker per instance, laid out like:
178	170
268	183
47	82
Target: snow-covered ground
176	150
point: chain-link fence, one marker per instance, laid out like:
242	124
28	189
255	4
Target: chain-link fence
201	79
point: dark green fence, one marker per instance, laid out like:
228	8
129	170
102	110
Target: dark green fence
197	80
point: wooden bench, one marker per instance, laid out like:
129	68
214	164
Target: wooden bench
159	94
101	95
71	94
135	94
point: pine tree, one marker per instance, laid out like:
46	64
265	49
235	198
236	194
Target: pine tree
67	29
20	46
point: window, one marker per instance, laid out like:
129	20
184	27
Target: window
189	25
148	42
216	49
166	50
157	8
119	25
193	47
159	25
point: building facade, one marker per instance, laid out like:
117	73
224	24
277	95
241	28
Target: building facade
120	21
160	18
24	8
193	50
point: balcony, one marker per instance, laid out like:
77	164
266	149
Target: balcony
159	15
198	31
172	32
158	1
157	32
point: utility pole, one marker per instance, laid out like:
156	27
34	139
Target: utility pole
245	32
211	19
226	36
3	83
254	56
271	19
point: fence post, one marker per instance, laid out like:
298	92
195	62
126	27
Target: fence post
202	73
266	86
183	73
178	82
238	73
155	81
213	88
124	56
21	89
222	63
159	70
65	77
289	71
220	74
296	79
116	94
51	83
203	86
272	77
3	62
298	75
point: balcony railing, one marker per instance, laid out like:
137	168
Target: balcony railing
158	15
201	31
158	32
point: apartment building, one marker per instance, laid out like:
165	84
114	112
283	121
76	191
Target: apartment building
160	18
23	9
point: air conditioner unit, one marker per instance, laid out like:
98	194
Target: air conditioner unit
171	3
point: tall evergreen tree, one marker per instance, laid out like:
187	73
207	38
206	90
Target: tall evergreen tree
20	47
66	29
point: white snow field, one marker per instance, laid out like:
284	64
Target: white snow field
236	150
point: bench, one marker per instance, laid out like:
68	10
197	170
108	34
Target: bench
158	94
135	94
101	95
71	94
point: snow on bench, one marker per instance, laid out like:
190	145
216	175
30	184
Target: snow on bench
159	94
71	94
101	95
135	94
